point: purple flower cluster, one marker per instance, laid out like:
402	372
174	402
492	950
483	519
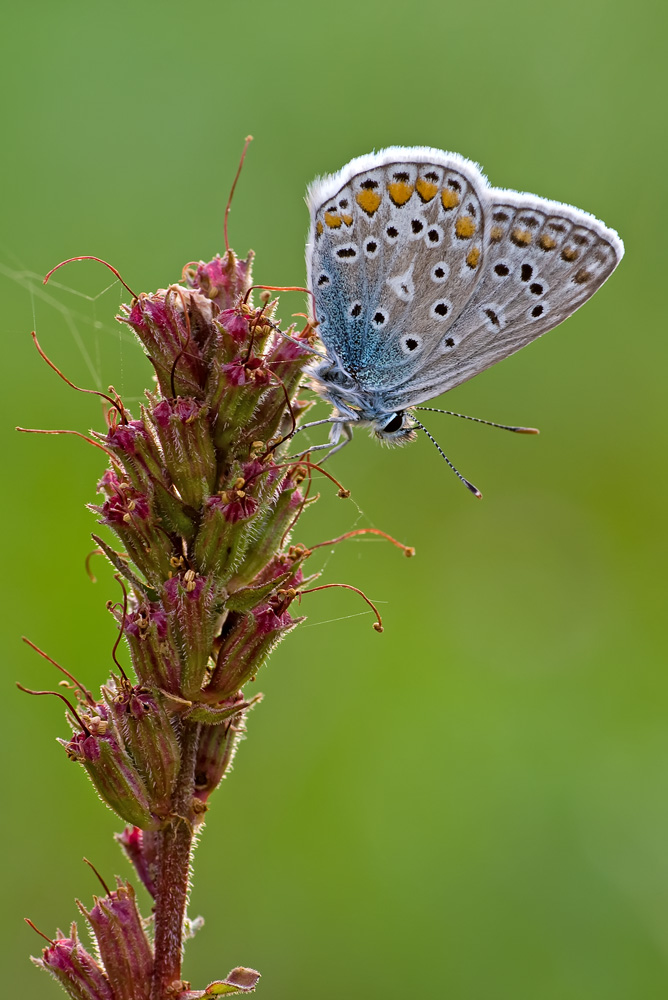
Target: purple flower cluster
201	499
202	504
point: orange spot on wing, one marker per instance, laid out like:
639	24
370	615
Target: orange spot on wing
546	242
496	234
569	254
472	257
333	221
368	201
400	192
425	189
464	227
521	237
348	219
450	198
319	228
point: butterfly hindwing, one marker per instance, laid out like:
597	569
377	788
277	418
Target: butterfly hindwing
543	260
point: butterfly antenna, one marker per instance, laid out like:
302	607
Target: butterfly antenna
476	492
479	420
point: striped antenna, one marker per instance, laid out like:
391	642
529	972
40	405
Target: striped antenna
474	490
479	420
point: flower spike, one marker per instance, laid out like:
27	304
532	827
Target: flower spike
202	497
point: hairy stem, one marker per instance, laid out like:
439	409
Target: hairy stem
174	870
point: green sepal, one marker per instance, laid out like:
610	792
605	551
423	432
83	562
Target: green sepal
121	564
213	716
247	598
173	514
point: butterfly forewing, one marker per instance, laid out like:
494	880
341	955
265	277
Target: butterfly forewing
396	252
423	275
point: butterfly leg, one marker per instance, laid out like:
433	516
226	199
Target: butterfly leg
316	423
334	444
301	454
336	441
333	435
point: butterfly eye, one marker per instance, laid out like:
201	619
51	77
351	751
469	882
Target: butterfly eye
395	424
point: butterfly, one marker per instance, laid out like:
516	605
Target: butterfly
422	275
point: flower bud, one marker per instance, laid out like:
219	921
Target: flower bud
263	479
225	532
247	645
269	534
176	341
128	512
185	435
114	775
141	848
149	738
154	656
193	605
235	390
122	942
287	358
137	450
217	748
286	361
223	280
78	973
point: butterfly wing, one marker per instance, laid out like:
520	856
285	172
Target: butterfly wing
395	252
543	260
423	275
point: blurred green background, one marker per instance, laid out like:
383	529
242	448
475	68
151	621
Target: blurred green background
474	804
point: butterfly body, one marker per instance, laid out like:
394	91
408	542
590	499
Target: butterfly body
423	275
356	404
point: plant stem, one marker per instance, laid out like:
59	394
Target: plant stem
174	870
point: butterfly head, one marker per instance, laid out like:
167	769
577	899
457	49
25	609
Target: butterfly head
394	428
358	406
